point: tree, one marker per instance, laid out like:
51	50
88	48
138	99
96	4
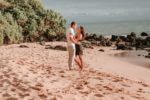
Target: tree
27	20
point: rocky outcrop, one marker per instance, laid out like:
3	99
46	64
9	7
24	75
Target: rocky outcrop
131	41
115	38
98	40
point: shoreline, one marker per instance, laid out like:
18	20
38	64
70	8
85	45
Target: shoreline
134	57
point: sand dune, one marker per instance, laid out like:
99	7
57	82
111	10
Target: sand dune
36	73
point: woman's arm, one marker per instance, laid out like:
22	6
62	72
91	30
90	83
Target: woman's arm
79	36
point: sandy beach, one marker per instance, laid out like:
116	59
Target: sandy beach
36	73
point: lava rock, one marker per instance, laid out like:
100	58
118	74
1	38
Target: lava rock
147	56
114	38
121	47
144	34
57	47
102	50
23	46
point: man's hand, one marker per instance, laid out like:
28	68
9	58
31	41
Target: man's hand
72	38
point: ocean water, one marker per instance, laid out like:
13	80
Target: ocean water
119	28
105	16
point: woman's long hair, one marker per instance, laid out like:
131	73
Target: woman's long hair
82	32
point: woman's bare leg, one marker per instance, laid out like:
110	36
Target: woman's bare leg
77	60
81	61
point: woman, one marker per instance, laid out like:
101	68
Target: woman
79	51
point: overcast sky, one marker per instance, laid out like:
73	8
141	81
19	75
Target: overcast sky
101	9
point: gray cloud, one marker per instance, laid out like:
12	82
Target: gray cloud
101	9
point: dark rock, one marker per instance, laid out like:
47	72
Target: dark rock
144	34
52	38
133	34
108	43
103	43
131	38
129	48
147	41
91	47
114	38
88	46
147	49
147	56
49	47
57	47
23	46
100	38
123	38
42	43
61	38
121	47
95	37
102	50
7	40
139	43
95	43
97	40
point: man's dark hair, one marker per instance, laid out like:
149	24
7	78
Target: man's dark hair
73	23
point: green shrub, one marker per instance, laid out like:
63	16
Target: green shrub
27	20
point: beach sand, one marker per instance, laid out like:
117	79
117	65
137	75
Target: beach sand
36	73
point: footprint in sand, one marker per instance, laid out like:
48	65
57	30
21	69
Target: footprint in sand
79	87
1	76
43	93
13	74
13	89
37	87
117	80
98	95
6	94
62	71
108	88
125	85
23	87
20	62
7	75
140	90
11	98
63	76
23	94
145	85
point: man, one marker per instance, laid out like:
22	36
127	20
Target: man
71	41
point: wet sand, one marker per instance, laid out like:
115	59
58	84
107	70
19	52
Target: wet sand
135	57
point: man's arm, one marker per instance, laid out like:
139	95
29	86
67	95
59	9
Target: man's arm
72	38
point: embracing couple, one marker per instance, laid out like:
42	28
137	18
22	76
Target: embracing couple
74	37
